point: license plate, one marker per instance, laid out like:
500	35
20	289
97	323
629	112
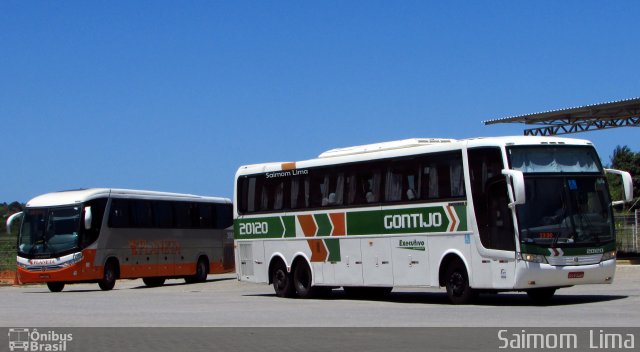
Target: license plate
576	275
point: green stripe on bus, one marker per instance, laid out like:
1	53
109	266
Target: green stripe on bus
324	224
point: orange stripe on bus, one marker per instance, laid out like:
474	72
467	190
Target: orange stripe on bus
339	224
288	166
318	250
308	225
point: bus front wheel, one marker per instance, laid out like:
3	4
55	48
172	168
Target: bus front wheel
457	283
541	295
153	281
55	286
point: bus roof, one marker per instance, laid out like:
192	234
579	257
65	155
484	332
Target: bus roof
82	195
405	147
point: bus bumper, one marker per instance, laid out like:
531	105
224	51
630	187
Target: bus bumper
58	269
536	275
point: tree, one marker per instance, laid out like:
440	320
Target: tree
625	159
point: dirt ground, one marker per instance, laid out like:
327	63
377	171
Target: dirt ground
7	277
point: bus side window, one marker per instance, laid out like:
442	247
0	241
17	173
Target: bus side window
206	216
223	216
402	181
119	214
181	213
363	185
142	215
163	214
299	192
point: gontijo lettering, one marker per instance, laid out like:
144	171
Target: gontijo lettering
412	221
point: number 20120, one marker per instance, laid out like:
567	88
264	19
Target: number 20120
254	228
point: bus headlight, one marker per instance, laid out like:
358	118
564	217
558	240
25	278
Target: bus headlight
76	259
533	258
608	255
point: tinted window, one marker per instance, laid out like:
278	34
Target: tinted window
97	212
119	213
432	177
163	214
142	216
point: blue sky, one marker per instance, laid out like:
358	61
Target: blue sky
174	96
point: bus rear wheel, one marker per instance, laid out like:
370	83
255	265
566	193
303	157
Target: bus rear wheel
282	282
153	281
457	283
55	286
302	280
109	277
202	270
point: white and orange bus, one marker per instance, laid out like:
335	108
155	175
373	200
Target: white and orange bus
101	235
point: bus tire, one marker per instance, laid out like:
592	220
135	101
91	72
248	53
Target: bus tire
55	286
110	276
457	284
153	281
282	281
541	295
302	282
202	270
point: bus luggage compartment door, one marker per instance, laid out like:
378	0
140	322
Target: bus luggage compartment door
251	259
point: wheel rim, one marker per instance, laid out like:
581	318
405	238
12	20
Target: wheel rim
280	279
109	275
457	283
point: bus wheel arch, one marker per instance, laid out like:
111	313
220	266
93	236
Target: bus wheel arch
281	279
111	273
454	275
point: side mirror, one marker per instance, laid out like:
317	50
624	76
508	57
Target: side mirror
88	217
516	187
627	185
11	219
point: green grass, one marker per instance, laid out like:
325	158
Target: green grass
8	253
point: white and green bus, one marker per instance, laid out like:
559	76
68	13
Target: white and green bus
529	214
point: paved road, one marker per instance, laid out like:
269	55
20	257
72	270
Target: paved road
223	301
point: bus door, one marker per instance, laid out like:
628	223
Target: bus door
251	261
501	235
494	218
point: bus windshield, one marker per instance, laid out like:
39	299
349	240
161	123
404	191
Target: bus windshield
567	211
49	232
554	159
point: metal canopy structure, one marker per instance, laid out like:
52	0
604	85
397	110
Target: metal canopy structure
622	113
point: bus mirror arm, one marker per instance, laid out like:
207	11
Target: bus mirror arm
627	185
10	220
516	187
88	217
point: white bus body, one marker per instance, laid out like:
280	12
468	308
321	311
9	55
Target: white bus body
487	214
